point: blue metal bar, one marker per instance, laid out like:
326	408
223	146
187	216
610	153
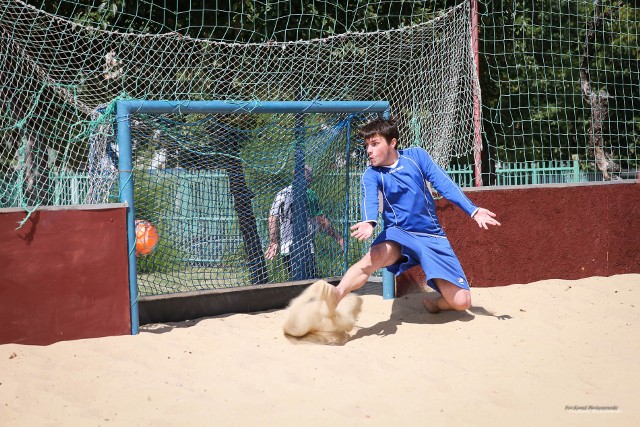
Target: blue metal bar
388	279
300	254
188	107
125	169
345	231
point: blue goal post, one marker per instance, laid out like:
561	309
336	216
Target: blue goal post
125	109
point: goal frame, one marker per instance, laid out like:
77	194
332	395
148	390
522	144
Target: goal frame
125	109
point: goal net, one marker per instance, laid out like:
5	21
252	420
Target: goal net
64	65
246	197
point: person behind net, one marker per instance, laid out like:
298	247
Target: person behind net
412	234
281	215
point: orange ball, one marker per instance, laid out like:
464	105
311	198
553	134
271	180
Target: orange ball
146	237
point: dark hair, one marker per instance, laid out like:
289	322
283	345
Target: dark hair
384	127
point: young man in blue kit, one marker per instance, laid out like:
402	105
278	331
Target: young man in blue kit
412	234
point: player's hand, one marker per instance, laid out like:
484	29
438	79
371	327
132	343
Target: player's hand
272	250
484	218
362	230
341	243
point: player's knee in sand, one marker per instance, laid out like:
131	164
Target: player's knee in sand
314	317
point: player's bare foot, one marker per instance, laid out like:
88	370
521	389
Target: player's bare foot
431	305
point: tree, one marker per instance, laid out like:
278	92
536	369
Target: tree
532	53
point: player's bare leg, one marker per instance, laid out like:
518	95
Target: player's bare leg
315	316
379	256
451	298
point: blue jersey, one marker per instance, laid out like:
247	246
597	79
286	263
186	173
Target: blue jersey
407	201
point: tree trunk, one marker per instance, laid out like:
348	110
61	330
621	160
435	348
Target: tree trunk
599	101
242	203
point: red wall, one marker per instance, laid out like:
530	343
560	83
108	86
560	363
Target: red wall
63	274
552	231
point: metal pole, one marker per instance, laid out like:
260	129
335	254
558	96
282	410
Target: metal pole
345	231
300	252
477	113
125	171
275	107
388	279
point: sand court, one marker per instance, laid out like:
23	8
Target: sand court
553	352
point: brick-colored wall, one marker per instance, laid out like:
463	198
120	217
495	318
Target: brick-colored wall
63	274
552	231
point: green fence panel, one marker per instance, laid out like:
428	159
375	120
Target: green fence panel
532	173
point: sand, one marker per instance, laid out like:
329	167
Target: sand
554	352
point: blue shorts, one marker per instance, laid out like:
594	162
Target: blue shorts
434	254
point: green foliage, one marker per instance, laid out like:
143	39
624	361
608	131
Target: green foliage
531	52
533	103
248	21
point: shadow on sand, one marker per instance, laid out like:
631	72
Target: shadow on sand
409	309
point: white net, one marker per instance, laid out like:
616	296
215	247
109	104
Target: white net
62	66
208	182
